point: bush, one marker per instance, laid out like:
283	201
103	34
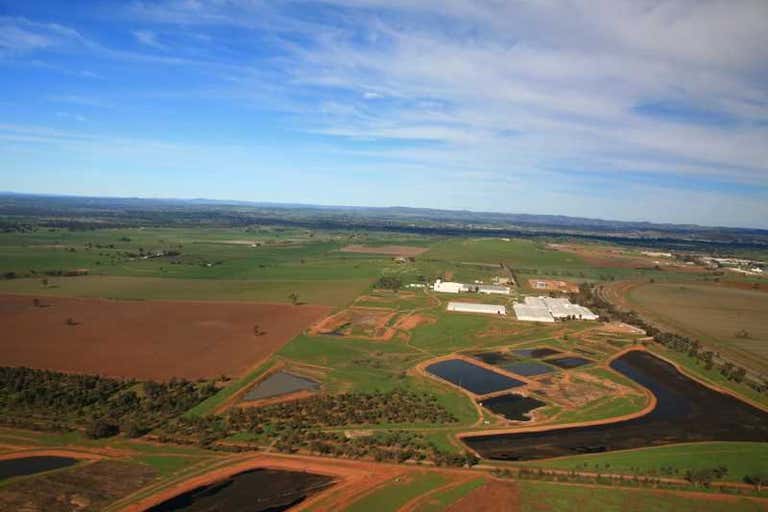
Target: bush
99	429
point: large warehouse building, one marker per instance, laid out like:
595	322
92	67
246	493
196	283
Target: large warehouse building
548	309
471	307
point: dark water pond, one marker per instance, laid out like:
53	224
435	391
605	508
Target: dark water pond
528	368
536	352
260	490
686	412
280	383
512	406
30	465
495	358
569	362
474	378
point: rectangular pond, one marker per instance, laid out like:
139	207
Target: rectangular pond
495	358
528	368
537	353
512	406
569	362
24	466
259	490
280	383
471	377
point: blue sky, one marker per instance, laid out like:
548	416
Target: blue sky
619	109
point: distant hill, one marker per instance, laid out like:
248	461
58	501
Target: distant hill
95	212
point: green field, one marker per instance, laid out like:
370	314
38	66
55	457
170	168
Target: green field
741	458
205	264
713	314
551	496
398	493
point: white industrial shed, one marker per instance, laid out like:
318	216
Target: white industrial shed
449	287
528	313
493	289
471	307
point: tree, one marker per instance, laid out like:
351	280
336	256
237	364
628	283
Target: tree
703	476
757	479
294	298
44	282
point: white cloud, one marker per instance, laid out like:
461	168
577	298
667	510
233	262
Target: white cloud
148	38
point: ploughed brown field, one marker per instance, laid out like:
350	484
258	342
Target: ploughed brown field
146	339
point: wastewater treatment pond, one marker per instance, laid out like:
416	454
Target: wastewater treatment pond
569	362
528	368
259	490
24	466
537	353
471	377
512	406
686	411
280	383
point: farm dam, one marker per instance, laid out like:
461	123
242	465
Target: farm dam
686	411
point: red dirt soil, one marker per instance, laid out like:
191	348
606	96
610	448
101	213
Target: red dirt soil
388	250
491	497
146	339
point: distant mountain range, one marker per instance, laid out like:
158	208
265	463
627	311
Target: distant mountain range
115	211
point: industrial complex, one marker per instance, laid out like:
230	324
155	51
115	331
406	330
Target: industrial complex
548	309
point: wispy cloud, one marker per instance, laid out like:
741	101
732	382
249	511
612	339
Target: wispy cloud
148	38
499	92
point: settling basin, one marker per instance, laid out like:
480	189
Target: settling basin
512	406
476	379
686	411
258	490
24	466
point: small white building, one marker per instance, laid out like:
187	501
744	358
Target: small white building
449	287
471	307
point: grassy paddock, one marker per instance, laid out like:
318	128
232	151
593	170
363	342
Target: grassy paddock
741	458
441	501
713	314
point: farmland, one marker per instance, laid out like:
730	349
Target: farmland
149	340
234	306
731	320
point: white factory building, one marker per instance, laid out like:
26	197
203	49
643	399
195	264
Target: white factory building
488	289
528	313
548	309
471	307
449	287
